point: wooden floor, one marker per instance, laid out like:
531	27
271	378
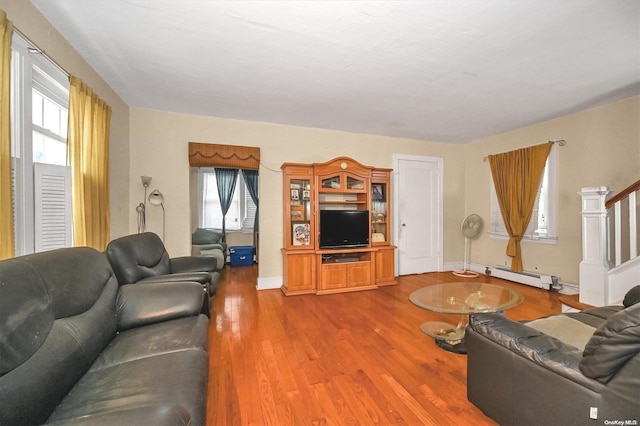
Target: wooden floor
343	359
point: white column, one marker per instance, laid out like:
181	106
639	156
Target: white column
595	246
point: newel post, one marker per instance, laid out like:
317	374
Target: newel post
595	246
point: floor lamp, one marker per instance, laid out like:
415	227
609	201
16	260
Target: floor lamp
140	208
157	199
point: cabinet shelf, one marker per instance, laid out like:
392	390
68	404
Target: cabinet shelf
342	202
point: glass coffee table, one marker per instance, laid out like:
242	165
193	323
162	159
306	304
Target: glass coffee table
463	299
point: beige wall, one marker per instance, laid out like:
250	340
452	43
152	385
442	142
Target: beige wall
30	22
602	149
159	149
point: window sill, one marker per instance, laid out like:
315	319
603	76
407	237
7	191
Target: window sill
528	239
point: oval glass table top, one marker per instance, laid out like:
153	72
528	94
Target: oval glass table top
466	298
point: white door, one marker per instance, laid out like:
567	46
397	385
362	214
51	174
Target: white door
418	213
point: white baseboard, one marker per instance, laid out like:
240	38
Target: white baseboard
528	278
269	283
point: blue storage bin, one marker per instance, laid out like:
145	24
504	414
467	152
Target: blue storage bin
241	255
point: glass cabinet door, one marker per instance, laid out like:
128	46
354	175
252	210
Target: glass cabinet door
342	182
354	184
300	211
332	182
379	203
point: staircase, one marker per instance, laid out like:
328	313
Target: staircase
610	263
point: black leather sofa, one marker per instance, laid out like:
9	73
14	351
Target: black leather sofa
567	369
78	348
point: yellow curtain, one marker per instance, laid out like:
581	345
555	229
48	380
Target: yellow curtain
516	177
6	194
88	138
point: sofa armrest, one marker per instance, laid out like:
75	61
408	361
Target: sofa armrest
198	277
138	305
193	264
160	415
537	347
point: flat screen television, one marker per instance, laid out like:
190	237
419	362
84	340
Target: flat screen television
344	228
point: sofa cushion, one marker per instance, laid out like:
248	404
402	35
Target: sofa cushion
152	381
566	329
25	312
156	415
155	339
615	342
155	302
595	317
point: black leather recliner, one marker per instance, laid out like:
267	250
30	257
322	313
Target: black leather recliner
142	258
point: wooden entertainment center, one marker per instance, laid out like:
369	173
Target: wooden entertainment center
339	184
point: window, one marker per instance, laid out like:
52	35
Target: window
242	212
542	227
41	176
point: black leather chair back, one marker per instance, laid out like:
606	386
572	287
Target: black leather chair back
138	256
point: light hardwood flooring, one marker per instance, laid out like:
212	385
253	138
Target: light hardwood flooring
342	359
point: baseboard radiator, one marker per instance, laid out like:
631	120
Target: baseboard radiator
545	282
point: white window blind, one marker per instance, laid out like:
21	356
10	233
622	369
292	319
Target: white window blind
249	209
52	206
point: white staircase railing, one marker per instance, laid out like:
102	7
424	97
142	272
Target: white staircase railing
610	263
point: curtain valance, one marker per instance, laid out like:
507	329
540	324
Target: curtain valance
230	156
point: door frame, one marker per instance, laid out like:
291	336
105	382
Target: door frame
396	158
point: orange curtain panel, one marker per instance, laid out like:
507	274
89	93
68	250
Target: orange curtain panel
88	138
516	177
6	195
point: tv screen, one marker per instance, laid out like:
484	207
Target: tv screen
344	228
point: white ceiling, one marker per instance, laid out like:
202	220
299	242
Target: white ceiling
451	71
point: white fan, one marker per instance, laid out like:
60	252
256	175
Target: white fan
471	227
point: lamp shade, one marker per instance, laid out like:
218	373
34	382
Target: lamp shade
156	198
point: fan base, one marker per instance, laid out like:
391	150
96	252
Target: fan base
465	274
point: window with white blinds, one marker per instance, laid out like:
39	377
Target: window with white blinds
543	225
242	211
41	177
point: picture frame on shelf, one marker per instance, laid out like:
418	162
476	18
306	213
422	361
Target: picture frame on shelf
377	192
297	212
378	237
301	234
306	195
295	194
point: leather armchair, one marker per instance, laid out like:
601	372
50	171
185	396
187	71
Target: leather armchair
142	258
